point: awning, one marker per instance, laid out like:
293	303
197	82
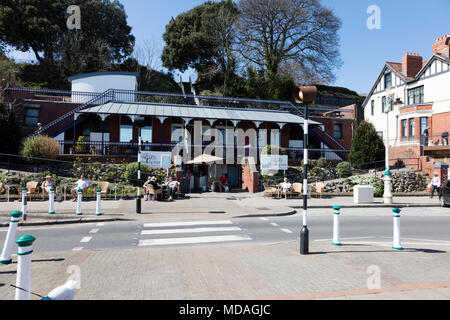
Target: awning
190	112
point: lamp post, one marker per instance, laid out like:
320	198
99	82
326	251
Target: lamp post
305	95
387	196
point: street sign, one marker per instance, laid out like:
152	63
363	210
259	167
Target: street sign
155	159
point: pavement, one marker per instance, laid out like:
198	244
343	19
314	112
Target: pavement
274	271
231	205
244	270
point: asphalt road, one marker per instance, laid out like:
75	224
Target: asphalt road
218	231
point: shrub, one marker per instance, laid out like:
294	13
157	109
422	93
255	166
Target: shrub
40	147
344	169
367	146
273	149
131	172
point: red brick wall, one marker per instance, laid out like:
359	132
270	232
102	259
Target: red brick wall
440	123
440	46
250	180
411	64
347	132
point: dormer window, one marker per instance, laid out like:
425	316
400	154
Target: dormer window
387	80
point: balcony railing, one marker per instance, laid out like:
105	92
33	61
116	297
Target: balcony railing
76	97
130	149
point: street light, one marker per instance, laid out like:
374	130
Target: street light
390	101
305	96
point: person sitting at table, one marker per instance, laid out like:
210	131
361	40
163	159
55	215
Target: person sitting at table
80	184
285	187
151	181
173	186
48	184
224	183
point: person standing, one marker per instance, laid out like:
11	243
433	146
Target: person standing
426	135
444	137
435	184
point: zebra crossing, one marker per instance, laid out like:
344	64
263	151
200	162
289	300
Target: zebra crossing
191	232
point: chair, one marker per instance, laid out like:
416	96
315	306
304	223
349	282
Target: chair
151	191
297	189
31	188
320	186
104	185
269	191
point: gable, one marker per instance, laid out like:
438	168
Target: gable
436	65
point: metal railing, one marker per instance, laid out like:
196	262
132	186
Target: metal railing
50	95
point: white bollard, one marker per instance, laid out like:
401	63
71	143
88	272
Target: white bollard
23	280
64	292
397	244
24	203
79	200
9	242
336	226
51	201
98	207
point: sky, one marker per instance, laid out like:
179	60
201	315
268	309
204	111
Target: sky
406	26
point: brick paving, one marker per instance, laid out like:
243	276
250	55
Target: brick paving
271	271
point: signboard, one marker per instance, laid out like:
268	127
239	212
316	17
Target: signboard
155	159
274	162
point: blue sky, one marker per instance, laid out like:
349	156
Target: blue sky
406	26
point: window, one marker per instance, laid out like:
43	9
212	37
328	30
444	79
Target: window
423	124
275	137
383	104
337	131
411	128
177	133
262	139
126	129
31	117
380	134
372	107
415	96
146	134
404	128
387	80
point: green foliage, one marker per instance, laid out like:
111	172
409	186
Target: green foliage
367	146
344	169
41	27
81	147
375	182
9	131
40	147
272	149
260	85
131	172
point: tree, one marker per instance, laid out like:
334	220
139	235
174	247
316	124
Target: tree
367	145
277	33
202	38
9	129
41	26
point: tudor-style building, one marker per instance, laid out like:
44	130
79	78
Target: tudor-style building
417	96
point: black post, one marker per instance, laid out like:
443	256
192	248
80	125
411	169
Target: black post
304	234
138	199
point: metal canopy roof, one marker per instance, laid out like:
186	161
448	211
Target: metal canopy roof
195	112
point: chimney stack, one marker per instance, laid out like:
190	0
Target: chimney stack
442	45
411	64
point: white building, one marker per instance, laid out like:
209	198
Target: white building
419	94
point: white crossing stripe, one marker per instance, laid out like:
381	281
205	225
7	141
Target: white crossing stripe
77	249
156	242
192	230
275	224
186	223
94	231
286	230
86	239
